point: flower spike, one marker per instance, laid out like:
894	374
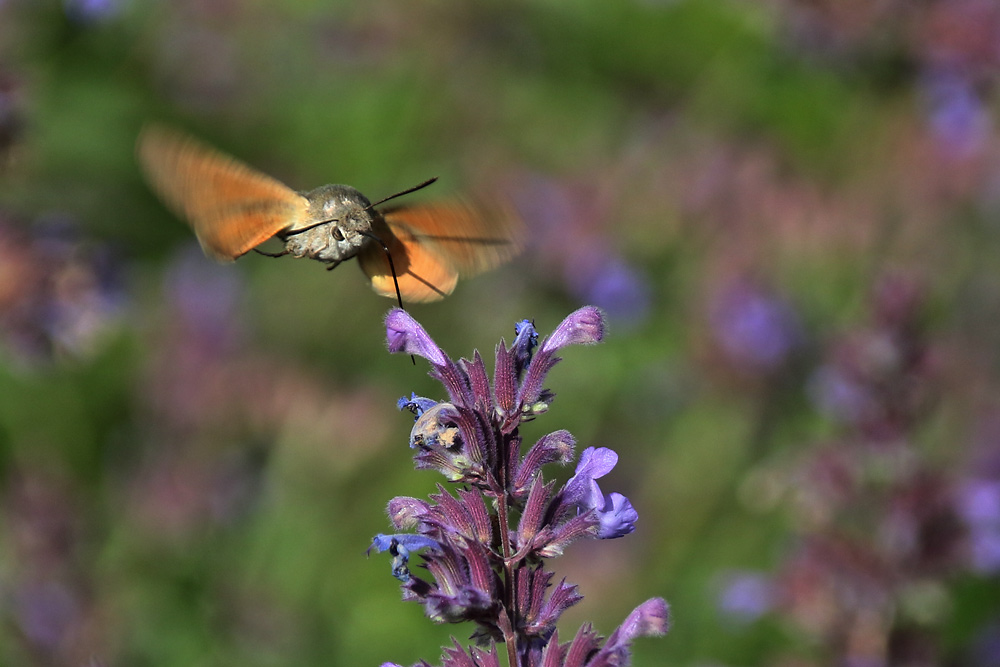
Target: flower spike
486	546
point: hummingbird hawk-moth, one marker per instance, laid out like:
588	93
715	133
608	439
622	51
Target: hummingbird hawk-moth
413	252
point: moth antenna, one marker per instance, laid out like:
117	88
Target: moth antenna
392	266
404	192
367	208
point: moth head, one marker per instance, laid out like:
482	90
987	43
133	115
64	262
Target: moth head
348	211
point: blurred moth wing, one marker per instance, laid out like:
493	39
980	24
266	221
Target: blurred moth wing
234	208
434	244
231	207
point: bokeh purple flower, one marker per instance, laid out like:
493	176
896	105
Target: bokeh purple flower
958	118
746	596
59	295
87	11
979	507
755	330
878	528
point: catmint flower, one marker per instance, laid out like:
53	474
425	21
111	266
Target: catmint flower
525	342
415	404
615	512
485	547
584	327
399	547
405	335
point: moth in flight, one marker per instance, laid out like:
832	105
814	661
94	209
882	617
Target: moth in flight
413	252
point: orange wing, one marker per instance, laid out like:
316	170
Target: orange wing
433	244
231	207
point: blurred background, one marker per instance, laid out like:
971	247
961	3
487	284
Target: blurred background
790	211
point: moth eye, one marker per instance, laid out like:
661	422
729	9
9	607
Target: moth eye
337	234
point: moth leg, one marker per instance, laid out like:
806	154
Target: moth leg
271	254
332	265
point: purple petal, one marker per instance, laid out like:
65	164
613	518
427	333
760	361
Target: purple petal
581	489
409	542
404	511
404	334
582	327
525	342
596	462
650	619
416	404
618	519
534	512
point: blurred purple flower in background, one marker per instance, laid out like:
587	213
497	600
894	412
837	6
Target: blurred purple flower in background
48	591
571	234
745	596
59	295
877	379
207	298
92	11
957	116
879	531
619	289
977	499
47	613
756	330
838	396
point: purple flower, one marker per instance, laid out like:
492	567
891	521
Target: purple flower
840	396
616	515
485	547
382	543
650	619
754	329
746	596
583	327
63	295
979	502
620	290
415	404
87	11
979	508
46	612
984	550
957	116
404	334
399	547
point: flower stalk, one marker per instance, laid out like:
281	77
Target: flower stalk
487	546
